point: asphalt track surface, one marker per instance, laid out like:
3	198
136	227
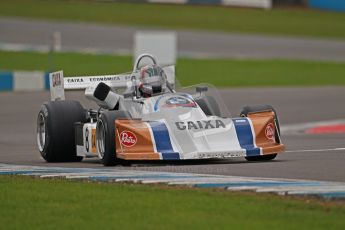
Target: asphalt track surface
36	34
18	113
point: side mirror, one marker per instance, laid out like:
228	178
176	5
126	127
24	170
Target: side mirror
200	89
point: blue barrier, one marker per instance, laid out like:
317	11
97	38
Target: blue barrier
336	5
24	81
6	81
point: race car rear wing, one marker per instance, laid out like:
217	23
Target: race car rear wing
59	83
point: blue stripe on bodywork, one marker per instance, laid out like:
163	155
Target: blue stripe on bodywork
162	139
155	108
245	136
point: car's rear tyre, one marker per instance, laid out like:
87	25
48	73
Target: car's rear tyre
209	105
55	130
262	108
105	136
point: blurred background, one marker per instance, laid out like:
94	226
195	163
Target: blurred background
227	43
289	53
239	43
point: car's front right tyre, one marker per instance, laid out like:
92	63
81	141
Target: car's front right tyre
55	130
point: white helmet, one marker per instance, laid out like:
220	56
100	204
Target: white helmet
152	80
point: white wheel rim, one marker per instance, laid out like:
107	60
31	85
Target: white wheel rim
100	137
41	132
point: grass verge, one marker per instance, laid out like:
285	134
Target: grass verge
59	204
293	22
219	72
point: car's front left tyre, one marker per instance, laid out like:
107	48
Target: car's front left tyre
257	109
105	136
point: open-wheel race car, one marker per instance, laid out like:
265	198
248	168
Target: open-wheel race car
142	117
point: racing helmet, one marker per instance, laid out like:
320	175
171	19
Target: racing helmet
152	80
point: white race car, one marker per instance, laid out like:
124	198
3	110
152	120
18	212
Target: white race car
149	121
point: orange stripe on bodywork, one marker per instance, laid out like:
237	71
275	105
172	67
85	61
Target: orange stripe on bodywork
142	149
263	124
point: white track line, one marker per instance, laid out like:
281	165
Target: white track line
315	150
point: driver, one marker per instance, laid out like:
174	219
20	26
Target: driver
152	80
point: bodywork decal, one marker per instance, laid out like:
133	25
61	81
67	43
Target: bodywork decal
162	141
245	136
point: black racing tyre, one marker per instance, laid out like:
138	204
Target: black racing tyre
262	158
209	105
261	108
105	136
55	130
